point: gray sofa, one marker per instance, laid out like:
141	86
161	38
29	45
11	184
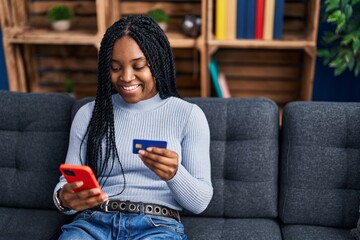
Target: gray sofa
297	181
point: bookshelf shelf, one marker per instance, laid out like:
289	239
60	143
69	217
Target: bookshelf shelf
42	36
271	44
179	40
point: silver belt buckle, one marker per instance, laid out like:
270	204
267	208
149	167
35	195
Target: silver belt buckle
104	206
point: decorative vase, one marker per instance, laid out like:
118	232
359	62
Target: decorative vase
61	25
191	25
163	26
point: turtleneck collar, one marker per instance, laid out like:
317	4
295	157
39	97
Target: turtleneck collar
144	105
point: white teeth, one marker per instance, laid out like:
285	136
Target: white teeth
130	87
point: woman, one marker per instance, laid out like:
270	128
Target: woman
142	193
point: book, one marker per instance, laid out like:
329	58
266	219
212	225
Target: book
223	85
269	19
214	73
278	19
259	19
250	18
241	19
220	19
231	19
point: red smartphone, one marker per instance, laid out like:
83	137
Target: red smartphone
74	173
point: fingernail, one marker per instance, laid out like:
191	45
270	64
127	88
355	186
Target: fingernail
141	152
149	149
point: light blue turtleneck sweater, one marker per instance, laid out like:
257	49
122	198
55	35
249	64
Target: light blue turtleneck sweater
185	128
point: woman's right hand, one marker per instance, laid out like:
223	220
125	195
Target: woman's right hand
79	201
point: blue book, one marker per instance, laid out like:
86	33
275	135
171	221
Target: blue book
278	19
214	73
250	19
241	19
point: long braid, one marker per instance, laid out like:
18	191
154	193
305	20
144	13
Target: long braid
101	129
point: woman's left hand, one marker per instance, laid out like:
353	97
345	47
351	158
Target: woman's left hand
163	162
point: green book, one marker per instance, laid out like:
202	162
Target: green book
214	73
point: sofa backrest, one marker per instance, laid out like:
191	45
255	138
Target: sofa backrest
320	164
34	130
244	156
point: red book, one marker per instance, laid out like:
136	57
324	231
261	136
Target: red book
259	19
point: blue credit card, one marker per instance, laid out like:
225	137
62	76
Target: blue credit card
139	144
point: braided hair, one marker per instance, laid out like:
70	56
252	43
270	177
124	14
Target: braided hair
156	48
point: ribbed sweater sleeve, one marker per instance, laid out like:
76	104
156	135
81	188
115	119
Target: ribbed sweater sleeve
191	185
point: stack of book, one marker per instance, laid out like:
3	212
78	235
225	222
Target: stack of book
249	19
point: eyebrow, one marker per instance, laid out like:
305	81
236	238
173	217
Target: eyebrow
133	60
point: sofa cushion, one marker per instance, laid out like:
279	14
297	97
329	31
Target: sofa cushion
228	228
301	232
34	130
244	156
320	164
34	224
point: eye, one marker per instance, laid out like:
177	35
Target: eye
115	68
138	68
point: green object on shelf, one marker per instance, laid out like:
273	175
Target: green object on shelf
69	85
158	15
60	12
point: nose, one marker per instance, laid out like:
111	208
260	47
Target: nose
127	75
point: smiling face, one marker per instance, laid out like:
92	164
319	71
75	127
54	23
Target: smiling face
130	72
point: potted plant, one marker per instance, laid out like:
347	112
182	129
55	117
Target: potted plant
343	44
160	17
60	17
69	86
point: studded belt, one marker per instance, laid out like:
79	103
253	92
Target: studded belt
135	207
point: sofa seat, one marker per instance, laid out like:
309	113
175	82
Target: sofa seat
308	232
34	224
231	228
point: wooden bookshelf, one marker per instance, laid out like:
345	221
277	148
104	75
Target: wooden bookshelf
282	70
38	59
35	54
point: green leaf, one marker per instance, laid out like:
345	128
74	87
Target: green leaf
339	65
353	2
324	53
351	64
347	39
330	37
344	3
348	12
336	63
356	45
331	5
341	23
340	69
334	16
347	55
357	69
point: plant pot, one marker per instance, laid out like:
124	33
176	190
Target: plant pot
163	26
61	25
